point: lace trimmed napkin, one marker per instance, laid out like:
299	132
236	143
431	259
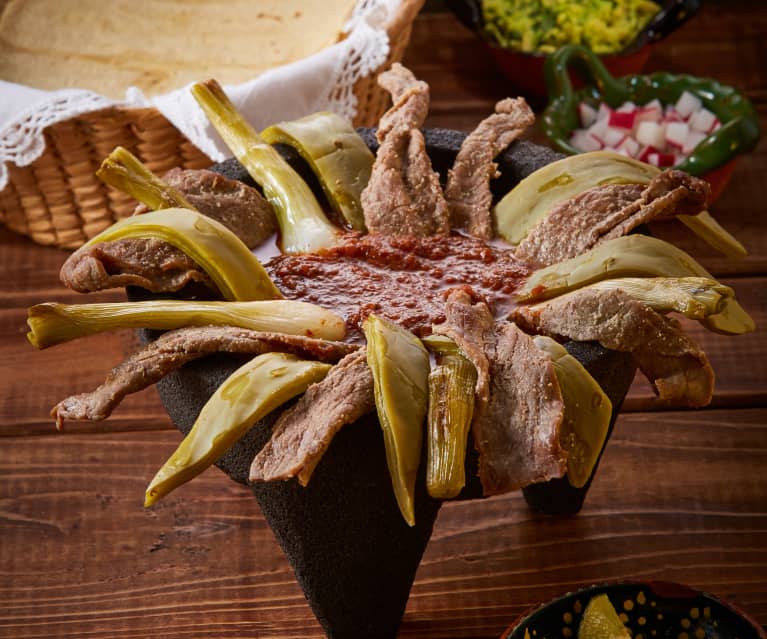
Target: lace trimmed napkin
323	81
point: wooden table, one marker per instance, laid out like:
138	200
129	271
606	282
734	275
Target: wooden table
680	495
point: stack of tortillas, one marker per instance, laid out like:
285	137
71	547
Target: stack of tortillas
159	45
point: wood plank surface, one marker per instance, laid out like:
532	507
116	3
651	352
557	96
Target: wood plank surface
680	495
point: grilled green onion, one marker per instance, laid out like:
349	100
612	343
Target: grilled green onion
125	172
451	406
303	226
400	367
251	392
53	323
631	256
337	154
220	253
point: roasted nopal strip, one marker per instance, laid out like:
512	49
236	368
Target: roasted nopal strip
677	368
404	196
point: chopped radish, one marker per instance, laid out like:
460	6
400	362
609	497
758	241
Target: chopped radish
604	111
661	159
676	133
627	107
703	120
693	140
613	137
622	119
588	114
651	134
687	103
584	141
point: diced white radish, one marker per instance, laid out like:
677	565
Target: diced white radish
599	130
676	133
622	119
649	114
661	159
584	141
587	114
630	146
651	134
613	137
646	152
687	104
627	107
702	120
604	111
672	115
693	140
653	104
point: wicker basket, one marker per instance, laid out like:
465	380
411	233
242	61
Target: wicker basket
58	200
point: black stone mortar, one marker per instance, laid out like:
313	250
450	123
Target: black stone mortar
352	552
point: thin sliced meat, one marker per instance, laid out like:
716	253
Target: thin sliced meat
468	183
678	369
154	264
609	211
149	263
403	196
174	349
519	413
471	327
304	432
516	432
239	207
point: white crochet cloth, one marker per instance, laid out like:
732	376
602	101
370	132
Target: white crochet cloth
324	81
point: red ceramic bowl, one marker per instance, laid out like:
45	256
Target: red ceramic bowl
525	70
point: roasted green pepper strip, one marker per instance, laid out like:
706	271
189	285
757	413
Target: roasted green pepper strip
631	256
588	411
125	172
251	392
535	196
451	407
220	253
303	226
53	323
400	367
338	156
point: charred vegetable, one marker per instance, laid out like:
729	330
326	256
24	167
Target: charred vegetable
587	412
220	253
451	407
303	226
532	199
53	323
631	256
250	393
125	172
400	367
338	156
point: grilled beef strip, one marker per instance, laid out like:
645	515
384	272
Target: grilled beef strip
471	329
468	183
676	367
516	429
304	432
154	264
174	349
609	211
404	196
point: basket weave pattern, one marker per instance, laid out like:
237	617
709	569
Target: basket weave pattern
58	200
